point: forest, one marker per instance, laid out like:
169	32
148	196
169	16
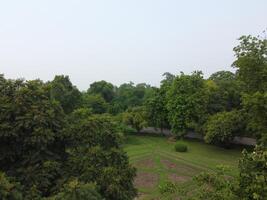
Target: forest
57	142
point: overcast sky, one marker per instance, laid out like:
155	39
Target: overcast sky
122	40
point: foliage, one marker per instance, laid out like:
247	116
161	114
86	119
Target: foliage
168	188
9	190
62	90
43	149
255	105
94	102
253	175
180	147
222	127
186	103
96	156
136	118
104	89
30	134
215	186
157	111
75	190
251	63
224	92
129	95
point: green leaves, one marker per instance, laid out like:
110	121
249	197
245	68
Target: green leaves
186	103
135	117
76	190
253	174
251	63
222	127
96	156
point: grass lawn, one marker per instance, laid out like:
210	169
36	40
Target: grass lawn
157	162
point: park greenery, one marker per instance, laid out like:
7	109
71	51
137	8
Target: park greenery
57	142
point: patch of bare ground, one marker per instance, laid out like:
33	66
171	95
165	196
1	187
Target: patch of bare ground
178	179
179	167
147	163
145	180
168	164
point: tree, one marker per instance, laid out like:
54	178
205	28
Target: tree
96	156
251	64
136	118
41	149
75	190
157	111
255	105
187	103
221	128
253	175
30	134
128	95
94	102
104	89
215	186
62	90
224	92
9	190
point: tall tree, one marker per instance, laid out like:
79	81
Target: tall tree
62	90
251	64
96	156
136	117
157	111
30	134
103	88
187	103
96	103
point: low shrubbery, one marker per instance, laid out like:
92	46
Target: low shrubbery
180	147
222	127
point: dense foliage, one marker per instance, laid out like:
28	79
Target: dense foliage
45	153
187	103
135	118
180	147
221	128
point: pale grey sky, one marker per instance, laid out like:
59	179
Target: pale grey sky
122	40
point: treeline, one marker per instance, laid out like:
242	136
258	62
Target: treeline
220	107
57	142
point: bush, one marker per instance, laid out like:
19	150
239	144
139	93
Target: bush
222	127
180	147
168	188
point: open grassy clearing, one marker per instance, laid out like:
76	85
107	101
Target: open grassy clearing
157	162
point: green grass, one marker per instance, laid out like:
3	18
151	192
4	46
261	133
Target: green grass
156	157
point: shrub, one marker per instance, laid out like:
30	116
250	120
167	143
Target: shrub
180	147
222	127
168	188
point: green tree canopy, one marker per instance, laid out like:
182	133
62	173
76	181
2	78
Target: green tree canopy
104	89
135	117
96	103
62	90
187	103
221	128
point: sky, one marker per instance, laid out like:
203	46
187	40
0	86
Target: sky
122	40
